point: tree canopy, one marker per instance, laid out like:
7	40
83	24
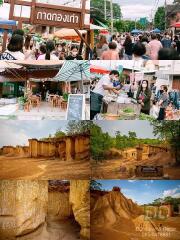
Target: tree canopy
97	6
159	19
95	185
102	142
170	132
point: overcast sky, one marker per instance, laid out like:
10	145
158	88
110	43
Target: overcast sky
143	129
132	9
144	191
18	132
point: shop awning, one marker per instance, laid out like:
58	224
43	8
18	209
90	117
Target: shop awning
176	25
7	23
73	70
98	70
101	24
95	27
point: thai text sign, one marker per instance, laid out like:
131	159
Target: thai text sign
56	17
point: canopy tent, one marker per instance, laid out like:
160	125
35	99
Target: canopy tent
176	25
136	31
73	70
95	27
98	70
68	34
9	23
156	30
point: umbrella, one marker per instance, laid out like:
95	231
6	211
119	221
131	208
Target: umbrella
99	70
73	70
156	30
68	34
136	31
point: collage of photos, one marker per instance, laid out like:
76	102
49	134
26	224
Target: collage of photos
89	120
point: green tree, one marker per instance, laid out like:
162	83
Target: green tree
100	143
95	185
159	19
97	6
170	132
132	135
59	133
1	2
78	127
157	201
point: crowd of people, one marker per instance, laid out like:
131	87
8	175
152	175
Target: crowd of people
24	47
158	103
148	46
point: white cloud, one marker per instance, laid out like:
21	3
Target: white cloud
13	137
172	192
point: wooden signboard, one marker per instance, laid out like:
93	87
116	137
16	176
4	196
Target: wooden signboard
51	15
149	171
76	107
56	17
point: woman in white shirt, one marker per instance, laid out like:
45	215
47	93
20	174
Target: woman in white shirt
14	49
50	47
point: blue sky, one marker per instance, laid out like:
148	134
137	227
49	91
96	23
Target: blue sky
144	191
143	129
18	132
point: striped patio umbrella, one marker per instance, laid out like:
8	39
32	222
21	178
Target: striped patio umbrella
74	70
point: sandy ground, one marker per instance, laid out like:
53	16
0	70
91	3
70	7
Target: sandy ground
131	230
110	169
43	169
55	230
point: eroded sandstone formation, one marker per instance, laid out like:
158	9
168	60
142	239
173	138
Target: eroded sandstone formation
109	207
65	148
23	207
21	151
80	200
58	202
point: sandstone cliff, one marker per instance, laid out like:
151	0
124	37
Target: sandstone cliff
111	207
80	200
23	206
58	205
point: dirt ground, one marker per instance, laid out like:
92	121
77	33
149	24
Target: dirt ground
55	230
42	169
110	169
138	229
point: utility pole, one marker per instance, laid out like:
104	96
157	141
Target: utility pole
165	20
105	10
112	17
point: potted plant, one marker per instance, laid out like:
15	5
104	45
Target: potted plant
22	101
65	96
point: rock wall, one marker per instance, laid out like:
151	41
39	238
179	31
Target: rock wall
82	150
23	207
15	151
66	148
58	205
80	200
109	208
